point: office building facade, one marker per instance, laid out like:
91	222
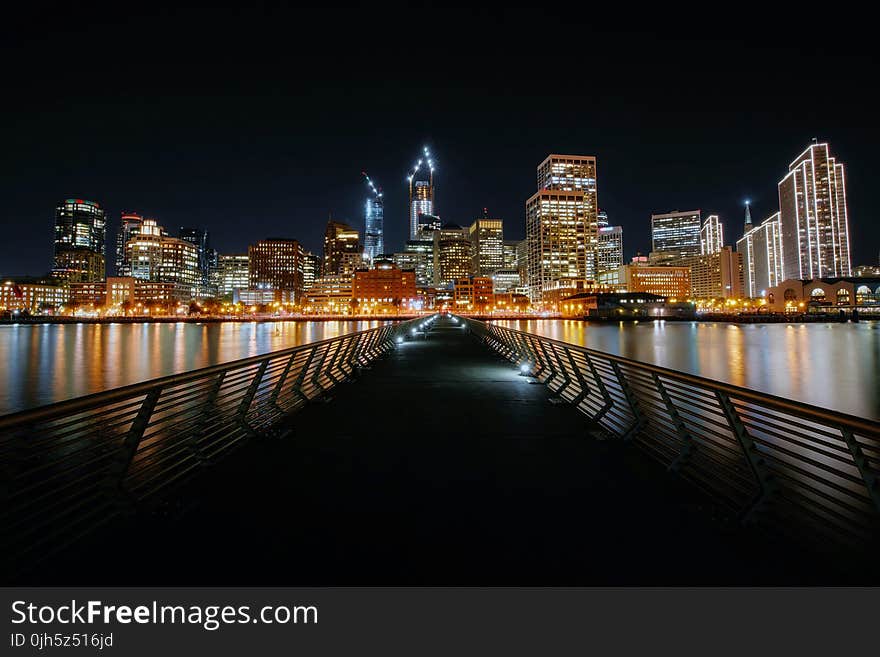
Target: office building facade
675	235
80	241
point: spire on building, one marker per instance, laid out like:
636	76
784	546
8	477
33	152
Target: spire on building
748	222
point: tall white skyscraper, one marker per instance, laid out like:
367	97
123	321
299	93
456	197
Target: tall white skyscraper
813	216
711	235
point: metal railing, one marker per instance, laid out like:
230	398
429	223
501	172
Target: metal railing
71	466
808	471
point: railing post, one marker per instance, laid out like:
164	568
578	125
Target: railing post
585	388
301	377
273	398
316	377
206	415
639	417
762	475
245	405
863	465
609	401
687	443
122	462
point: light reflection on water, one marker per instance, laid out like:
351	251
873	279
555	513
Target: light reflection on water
44	363
831	365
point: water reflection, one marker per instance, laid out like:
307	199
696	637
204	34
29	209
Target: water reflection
830	365
50	362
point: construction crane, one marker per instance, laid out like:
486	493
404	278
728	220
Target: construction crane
377	191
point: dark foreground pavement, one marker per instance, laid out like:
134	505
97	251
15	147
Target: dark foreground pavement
440	466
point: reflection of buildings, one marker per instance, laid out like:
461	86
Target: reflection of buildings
80	234
825	295
562	223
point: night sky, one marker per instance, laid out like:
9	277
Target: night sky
257	123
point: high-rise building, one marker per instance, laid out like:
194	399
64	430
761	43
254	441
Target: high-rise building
675	235
198	237
374	223
156	257
129	225
421	193
510	248
711	235
761	249
80	235
342	249
609	251
716	275
233	273
452	254
487	245
311	269
813	216
277	263
562	223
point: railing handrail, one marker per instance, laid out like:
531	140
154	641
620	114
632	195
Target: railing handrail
103	397
763	398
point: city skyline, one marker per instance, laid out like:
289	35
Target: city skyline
166	153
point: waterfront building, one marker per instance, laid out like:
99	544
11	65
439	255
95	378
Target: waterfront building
711	235
385	288
716	275
825	295
342	249
129	225
262	296
562	222
277	263
80	235
154	256
866	271
453	256
487	245
123	292
473	293
311	269
505	280
761	249
233	273
329	294
198	237
32	295
675	235
813	217
614	305
672	282
609	252
374	223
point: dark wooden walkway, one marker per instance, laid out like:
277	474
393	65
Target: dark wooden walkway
440	466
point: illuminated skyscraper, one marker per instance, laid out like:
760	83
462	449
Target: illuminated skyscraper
761	249
813	216
609	253
342	249
233	271
374	223
277	263
129	226
421	192
675	235
453	256
158	258
487	245
711	235
562	223
80	234
198	237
